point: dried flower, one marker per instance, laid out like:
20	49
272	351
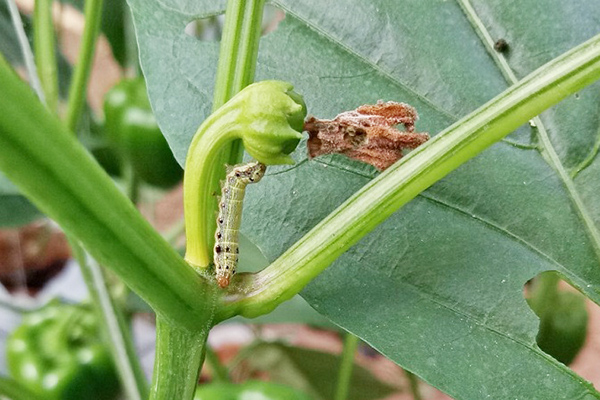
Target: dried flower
366	134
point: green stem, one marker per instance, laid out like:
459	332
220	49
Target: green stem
413	381
399	184
263	115
45	53
53	170
239	49
25	49
115	328
133	184
78	88
235	70
219	371
346	366
15	391
179	354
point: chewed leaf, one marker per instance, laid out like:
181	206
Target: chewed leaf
438	287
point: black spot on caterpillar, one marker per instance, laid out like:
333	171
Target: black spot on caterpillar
229	218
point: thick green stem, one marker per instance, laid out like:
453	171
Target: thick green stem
45	52
179	354
116	329
78	88
53	170
15	391
406	179
346	367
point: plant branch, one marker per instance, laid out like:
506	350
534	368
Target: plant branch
78	88
115	328
346	366
399	184
219	371
45	53
54	171
413	381
179	353
25	49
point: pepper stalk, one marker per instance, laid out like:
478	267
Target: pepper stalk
268	117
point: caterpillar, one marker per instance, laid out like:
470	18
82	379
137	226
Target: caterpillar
226	248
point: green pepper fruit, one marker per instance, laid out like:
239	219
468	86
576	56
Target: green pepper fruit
57	353
131	127
251	390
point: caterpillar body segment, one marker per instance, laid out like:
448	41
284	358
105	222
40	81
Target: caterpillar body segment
233	188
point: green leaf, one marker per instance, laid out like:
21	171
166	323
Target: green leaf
15	210
438	287
313	371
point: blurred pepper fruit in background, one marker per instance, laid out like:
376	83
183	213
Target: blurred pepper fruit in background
132	129
57	352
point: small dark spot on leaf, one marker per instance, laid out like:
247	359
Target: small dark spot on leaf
501	46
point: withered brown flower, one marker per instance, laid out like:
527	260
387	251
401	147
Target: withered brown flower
368	134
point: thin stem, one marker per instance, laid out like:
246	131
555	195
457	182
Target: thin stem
15	391
78	88
179	354
45	53
133	184
220	373
346	367
413	381
34	79
406	179
175	231
112	322
53	170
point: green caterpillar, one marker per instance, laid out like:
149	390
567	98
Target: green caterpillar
230	216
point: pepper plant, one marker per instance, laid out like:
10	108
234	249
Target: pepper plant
436	286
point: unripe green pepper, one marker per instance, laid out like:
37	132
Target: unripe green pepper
57	353
131	127
251	390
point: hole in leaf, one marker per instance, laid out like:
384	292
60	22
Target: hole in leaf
210	29
563	315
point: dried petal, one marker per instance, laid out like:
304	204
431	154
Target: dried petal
366	134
